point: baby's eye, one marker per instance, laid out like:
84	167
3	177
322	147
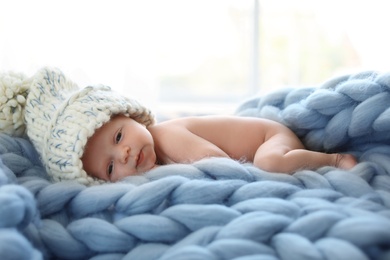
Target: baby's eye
118	136
110	168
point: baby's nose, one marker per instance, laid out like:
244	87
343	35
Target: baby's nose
124	154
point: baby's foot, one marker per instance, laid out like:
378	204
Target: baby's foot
345	161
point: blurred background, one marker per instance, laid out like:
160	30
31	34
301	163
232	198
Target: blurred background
195	56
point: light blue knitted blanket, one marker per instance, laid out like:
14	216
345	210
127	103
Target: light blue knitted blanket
218	208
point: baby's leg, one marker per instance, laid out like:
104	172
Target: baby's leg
284	152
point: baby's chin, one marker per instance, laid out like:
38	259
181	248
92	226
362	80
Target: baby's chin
151	167
147	165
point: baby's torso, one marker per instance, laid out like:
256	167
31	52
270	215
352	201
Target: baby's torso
194	138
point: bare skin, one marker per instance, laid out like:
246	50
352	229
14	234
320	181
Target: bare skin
136	149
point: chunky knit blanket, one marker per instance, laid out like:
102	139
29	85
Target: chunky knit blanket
220	208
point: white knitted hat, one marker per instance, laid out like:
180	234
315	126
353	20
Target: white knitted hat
60	117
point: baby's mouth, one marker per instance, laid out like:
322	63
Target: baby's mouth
140	158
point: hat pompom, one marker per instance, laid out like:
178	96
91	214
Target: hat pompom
13	93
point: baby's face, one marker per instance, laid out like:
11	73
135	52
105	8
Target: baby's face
120	148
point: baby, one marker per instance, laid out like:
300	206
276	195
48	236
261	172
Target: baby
94	135
123	147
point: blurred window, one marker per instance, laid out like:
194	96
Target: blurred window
198	56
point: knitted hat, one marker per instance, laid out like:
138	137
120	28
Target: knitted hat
60	117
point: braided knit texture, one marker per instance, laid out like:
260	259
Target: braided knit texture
219	208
